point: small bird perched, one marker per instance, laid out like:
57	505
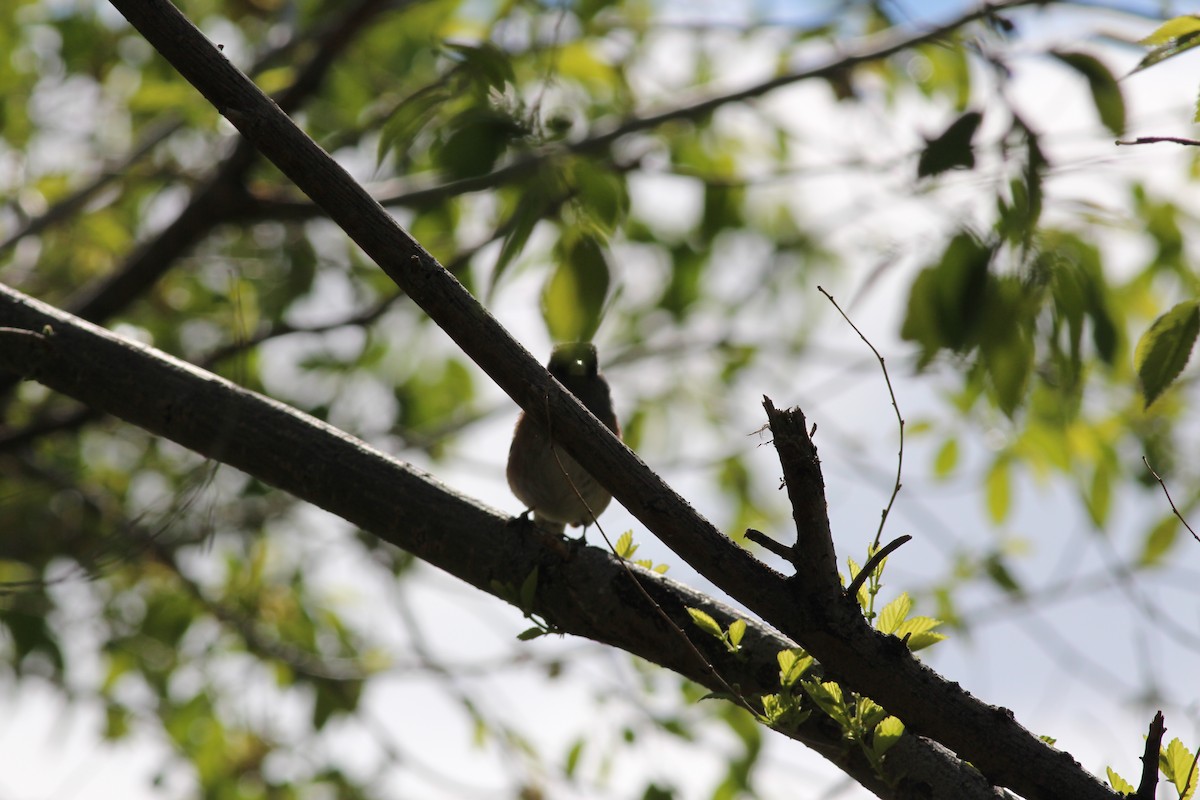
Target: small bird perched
544	476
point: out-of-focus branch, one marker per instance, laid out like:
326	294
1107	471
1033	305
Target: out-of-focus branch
73	203
874	48
223	197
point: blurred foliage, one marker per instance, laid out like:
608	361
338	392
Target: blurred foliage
511	139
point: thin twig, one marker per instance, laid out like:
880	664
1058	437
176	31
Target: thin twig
1157	139
1146	461
899	419
767	543
1187	784
624	562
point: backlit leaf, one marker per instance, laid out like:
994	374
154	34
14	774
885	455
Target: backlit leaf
1165	348
953	148
1106	93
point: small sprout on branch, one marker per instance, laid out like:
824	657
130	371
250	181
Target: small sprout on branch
523	598
785	709
625	548
793	664
1178	765
1119	784
730	637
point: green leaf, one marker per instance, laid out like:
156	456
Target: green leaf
31	633
919	641
864	597
601	193
1165	348
952	148
1106	93
684	287
723	209
1173	37
116	722
625	547
474	140
1177	765
1099	496
946	299
529	590
573	755
408	118
828	697
868	713
998	490
573	299
737	629
430	395
792	666
1159	541
894	613
705	623
998	571
524	219
1119	784
487	63
946	459
887	733
1172	29
919	631
333	697
773	708
1009	359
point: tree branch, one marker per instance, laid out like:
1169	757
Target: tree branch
831	629
76	201
1149	782
830	626
447	302
812	554
581	590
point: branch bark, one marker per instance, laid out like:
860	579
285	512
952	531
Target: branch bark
830	628
581	590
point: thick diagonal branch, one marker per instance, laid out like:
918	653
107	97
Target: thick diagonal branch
581	590
877	666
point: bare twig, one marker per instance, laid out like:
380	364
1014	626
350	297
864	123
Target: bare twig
1146	461
1187	784
1159	139
707	665
899	420
769	544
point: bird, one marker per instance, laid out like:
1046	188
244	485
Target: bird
543	475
